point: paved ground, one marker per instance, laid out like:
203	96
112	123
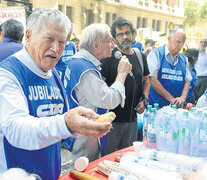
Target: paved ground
65	160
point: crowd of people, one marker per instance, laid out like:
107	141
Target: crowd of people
52	88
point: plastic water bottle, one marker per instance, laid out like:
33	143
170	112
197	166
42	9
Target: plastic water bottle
182	161
151	134
185	135
121	176
202	142
171	133
145	118
160	131
195	116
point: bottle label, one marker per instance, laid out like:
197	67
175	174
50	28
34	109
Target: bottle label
203	134
162	133
151	128
175	135
185	132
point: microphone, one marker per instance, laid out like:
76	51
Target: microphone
118	55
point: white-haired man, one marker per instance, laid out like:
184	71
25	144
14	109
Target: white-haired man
34	116
169	72
85	86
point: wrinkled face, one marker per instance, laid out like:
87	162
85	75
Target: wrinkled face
104	49
124	38
203	44
176	42
46	47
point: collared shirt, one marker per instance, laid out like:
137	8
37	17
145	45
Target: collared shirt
154	63
86	91
8	47
20	128
201	65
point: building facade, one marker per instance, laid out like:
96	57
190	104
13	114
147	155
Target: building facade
150	17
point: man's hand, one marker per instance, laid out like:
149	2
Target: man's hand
140	107
179	102
124	68
79	120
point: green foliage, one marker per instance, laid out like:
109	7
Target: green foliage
191	11
203	11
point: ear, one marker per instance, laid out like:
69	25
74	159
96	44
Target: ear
28	34
95	45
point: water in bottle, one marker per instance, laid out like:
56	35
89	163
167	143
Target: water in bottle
145	118
160	130
185	134
195	116
171	133
151	134
202	142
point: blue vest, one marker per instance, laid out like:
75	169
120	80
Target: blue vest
172	77
192	82
79	66
137	45
45	97
67	54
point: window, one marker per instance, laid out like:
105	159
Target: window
158	25
69	12
89	17
138	22
113	16
60	7
107	18
153	24
166	26
144	22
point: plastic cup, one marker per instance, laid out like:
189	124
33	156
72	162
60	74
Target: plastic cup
81	163
138	145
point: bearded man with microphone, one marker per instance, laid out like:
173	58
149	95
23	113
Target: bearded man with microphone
124	130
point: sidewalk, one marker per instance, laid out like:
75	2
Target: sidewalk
66	159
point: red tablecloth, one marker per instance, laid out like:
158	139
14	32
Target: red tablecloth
91	169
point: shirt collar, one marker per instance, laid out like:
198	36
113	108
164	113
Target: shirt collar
26	59
169	57
88	56
7	39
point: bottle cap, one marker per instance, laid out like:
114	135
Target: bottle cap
81	163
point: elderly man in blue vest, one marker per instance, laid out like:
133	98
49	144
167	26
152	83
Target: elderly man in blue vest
169	72
34	112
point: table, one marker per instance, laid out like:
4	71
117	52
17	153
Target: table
91	169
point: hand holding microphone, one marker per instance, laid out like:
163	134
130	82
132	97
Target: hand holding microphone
124	64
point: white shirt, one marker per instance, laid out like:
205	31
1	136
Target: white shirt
21	129
201	65
92	92
154	63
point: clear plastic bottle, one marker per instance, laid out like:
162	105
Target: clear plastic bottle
182	161
121	176
171	133
160	131
185	134
195	116
145	118
202	142
151	134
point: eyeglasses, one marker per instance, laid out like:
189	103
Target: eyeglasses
178	41
121	35
205	42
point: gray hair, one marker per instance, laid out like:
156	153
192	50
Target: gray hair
36	21
173	31
93	33
13	29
